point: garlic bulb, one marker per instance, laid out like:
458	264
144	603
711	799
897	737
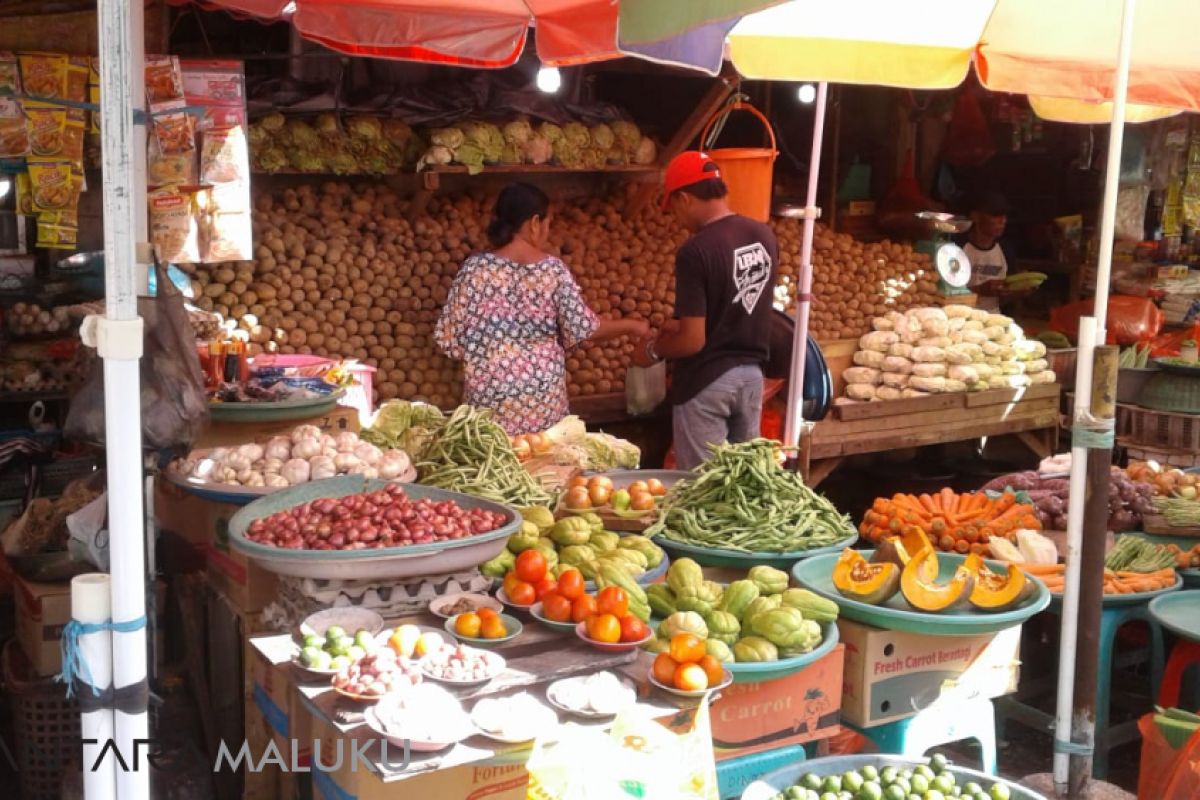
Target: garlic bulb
344	462
346	442
368	453
253	452
323	467
306	449
305	432
295	471
278	448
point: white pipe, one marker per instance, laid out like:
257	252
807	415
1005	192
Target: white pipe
91	604
121	39
1070	603
795	406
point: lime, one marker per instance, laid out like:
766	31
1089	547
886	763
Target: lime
313	640
810	780
365	640
339	662
934	794
924	770
906	773
829	796
920	783
832	784
795	793
852	781
869	791
971	787
334	632
888	774
309	656
903	784
943	782
998	791
894	791
938	762
869	773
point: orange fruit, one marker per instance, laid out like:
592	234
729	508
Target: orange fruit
655	487
600	482
582	608
599	495
523	594
468	624
486	613
556	607
545	586
604	628
612	600
642	501
571	583
493	628
712	668
690	678
638	487
664	669
687	648
510	580
531	565
578	480
633	629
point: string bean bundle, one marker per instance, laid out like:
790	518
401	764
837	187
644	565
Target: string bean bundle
1180	513
472	454
741	499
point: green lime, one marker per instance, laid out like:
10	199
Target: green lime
888	774
903	784
971	787
934	794
869	773
869	791
339	662
955	791
938	762
829	796
906	773
334	632
999	791
943	782
920	783
795	793
915	797
924	770
832	783
844	795
365	640
314	640
851	781
894	792
309	656
810	780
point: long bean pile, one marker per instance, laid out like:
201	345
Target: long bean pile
1180	513
743	500
472	454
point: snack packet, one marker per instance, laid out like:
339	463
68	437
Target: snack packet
44	74
174	230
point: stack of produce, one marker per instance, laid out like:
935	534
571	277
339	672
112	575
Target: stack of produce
597	492
1133	566
742	499
756	618
30	319
569	443
1127	500
26	376
1165	481
1136	357
42	527
1179	512
361	145
954	523
574	145
953	349
401	425
921	782
577	542
852	281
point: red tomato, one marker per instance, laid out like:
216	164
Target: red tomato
664	669
556	607
633	629
713	669
690	678
582	608
604	628
523	594
687	648
510	580
531	566
612	600
544	587
570	584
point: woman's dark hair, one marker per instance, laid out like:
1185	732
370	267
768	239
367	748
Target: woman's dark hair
517	204
711	189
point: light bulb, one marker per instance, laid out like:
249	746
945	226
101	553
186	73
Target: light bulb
806	93
549	79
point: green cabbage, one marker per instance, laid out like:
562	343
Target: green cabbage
305	160
628	135
301	135
486	137
538	150
448	137
511	154
397	132
327	125
434	156
364	128
404	425
594	158
602	137
271	159
550	132
569	154
257	136
273	121
518	132
577	133
341	162
471	156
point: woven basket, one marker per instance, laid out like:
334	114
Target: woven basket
45	726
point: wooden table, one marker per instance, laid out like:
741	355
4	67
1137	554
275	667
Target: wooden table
1031	414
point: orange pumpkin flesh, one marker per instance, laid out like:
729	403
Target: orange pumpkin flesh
999	592
926	595
899	550
858	579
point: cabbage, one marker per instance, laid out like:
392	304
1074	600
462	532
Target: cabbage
577	133
364	128
377	162
301	135
305	160
538	150
602	137
646	152
569	154
518	132
341	162
550	132
511	154
486	137
568	430
273	121
257	136
434	156
405	426
471	156
327	125
448	137
271	159
397	132
607	452
617	155
594	158
627	134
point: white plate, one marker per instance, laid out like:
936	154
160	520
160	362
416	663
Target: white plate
415	745
728	679
553	689
350	619
438	606
545	719
498	667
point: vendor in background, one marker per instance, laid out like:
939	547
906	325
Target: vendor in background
513	312
981	243
724	277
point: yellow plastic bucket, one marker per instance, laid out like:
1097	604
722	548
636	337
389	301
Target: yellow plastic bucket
747	171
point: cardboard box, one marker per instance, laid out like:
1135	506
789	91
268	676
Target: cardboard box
752	717
230	434
894	674
42	611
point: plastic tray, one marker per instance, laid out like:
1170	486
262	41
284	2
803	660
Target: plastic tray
274	412
772	783
720	557
817	574
1114	600
1191	578
1179	612
1189	371
756	671
438	558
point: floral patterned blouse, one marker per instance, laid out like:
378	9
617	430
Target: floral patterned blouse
511	325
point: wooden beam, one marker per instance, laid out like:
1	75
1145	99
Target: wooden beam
716	96
901	423
873	442
821	469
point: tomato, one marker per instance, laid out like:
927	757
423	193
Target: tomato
600	481
493	628
578	480
633	629
486	613
690	678
641	501
510	580
638	487
599	495
578	498
612	600
583	607
687	648
523	594
664	669
713	669
655	487
531	565
544	587
556	607
467	624
604	628
571	583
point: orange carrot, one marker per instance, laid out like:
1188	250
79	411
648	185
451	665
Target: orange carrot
949	500
1004	502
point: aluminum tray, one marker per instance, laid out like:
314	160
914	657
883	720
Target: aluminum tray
275	412
386	562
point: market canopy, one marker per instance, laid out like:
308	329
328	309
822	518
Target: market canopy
492	33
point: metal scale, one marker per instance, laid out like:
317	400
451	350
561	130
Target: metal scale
953	266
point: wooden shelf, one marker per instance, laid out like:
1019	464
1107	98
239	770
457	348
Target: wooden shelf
490	169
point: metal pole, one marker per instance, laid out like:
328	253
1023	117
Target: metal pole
795	406
119	341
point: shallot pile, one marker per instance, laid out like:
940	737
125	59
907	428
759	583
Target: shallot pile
305	455
1127	500
382	518
376	674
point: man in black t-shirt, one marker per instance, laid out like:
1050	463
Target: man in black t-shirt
718	341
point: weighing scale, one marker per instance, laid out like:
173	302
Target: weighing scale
953	266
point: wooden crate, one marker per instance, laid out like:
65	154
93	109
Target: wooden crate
1167	456
1168	429
879	426
839	356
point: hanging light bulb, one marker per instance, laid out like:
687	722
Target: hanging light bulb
549	79
806	93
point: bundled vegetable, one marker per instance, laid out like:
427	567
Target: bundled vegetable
741	499
472	454
1136	357
1127	500
955	523
1135	554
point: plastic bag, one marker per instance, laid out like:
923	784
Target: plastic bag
645	388
174	403
1168	344
969	140
1166	773
638	758
1130	319
88	540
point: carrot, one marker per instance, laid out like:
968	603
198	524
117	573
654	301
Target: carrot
927	504
1004	502
1045	569
949	500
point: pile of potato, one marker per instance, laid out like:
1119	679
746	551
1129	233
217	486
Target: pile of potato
342	271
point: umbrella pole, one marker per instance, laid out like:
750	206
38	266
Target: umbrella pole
795	407
1092	442
118	338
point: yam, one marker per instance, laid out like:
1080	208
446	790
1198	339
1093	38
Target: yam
897	365
955	385
1047	376
878	341
961	372
933	355
865	375
929	370
882	324
860	391
1036	365
869	358
998	319
980	315
927	384
888	393
993	332
895	380
901	350
958	311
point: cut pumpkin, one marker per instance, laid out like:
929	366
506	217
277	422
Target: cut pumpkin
858	579
899	550
999	592
926	595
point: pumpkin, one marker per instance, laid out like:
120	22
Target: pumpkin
899	550
858	579
926	595
995	592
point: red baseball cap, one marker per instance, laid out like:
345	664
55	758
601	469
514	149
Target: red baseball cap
687	168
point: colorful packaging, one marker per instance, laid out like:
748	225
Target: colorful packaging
78	68
56	237
94	94
173	127
174	230
224	156
44	74
73	133
53	185
163	169
164	79
24	195
10	73
46	124
14	136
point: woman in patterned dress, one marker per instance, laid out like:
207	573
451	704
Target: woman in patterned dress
514	312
